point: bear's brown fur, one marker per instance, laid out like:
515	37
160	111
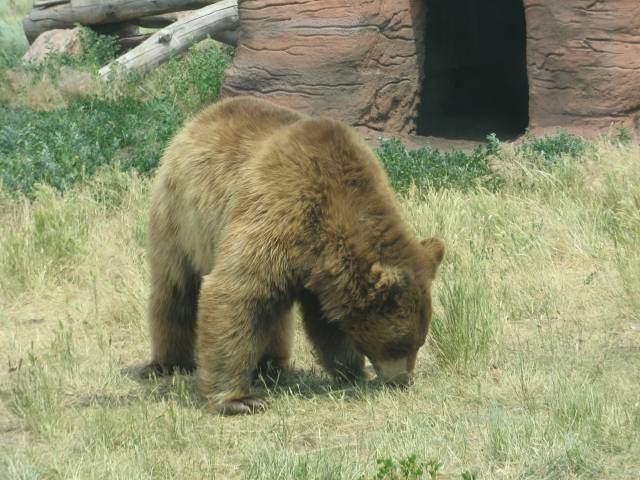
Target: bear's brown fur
255	207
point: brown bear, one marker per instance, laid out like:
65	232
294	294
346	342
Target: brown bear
256	207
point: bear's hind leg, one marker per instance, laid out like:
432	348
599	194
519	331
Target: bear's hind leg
276	358
172	315
335	350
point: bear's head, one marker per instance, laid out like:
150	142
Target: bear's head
394	323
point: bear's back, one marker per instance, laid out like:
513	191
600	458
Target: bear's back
239	121
247	161
225	135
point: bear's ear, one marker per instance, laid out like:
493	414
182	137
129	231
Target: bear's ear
385	278
435	251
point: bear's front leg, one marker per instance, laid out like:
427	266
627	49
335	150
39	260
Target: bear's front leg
335	350
229	345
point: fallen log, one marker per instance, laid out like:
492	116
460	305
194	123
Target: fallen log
230	37
176	38
52	14
159	21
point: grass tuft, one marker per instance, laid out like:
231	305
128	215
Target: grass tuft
464	332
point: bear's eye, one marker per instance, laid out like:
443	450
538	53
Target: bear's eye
390	304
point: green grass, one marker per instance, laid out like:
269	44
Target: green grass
13	42
528	372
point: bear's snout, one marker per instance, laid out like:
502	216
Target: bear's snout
394	372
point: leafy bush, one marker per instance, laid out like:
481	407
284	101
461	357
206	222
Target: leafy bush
623	136
13	42
406	469
196	79
428	168
551	148
97	50
59	146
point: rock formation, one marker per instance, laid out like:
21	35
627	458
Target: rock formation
362	61
356	61
583	62
61	41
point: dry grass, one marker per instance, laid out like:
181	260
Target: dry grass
531	372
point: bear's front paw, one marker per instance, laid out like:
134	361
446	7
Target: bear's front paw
239	406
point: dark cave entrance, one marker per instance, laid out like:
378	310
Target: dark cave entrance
475	69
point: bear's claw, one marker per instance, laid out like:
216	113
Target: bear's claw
241	406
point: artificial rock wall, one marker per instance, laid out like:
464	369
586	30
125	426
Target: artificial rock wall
584	62
361	61
355	61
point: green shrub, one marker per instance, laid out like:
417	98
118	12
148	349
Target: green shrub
59	146
623	137
196	79
13	42
551	148
406	469
428	168
97	50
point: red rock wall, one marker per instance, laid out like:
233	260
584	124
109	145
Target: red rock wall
584	62
360	61
355	61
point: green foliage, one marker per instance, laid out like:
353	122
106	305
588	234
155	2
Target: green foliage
195	79
60	146
623	137
97	50
12	45
408	468
428	168
551	148
13	42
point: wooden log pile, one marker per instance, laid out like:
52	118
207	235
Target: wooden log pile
181	23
